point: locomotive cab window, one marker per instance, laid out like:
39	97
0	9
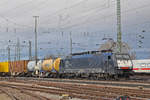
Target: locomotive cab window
124	61
123	56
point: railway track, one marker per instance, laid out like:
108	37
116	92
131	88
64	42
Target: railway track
18	93
83	89
125	83
13	97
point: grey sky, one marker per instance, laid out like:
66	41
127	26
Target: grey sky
97	17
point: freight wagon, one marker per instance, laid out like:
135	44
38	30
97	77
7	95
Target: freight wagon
43	67
13	67
4	68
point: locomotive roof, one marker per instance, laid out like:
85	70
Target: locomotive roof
92	52
88	52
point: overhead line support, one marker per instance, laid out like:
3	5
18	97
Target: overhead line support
119	33
35	30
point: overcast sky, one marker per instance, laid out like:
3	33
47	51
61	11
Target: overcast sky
88	20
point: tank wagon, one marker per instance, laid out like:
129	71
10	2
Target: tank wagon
94	65
47	65
44	67
32	68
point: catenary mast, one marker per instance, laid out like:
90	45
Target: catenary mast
119	33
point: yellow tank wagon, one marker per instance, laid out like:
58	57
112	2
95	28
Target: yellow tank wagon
57	64
47	65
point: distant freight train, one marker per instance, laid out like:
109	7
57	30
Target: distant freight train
91	64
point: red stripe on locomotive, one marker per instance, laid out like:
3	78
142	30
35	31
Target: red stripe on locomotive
135	68
124	67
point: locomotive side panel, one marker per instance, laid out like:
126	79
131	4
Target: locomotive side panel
88	64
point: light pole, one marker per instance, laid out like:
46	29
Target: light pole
8	48
8	53
70	43
30	50
35	30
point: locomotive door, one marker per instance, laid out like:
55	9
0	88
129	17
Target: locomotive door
109	64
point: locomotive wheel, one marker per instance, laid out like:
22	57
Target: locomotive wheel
116	77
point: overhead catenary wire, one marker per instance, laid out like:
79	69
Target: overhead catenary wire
25	25
84	14
3	3
63	10
10	20
17	7
14	23
32	8
86	21
71	6
90	20
104	17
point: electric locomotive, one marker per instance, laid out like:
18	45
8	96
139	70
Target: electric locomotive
95	65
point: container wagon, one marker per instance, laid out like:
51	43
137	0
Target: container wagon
4	69
13	68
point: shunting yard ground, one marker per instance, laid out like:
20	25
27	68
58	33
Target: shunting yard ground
42	89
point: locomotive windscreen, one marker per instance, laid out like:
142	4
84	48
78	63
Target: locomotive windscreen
123	56
124	61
